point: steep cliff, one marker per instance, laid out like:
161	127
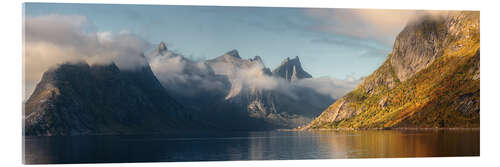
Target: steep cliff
78	99
251	96
431	79
291	70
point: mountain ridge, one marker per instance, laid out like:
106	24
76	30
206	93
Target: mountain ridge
431	79
78	99
272	106
291	70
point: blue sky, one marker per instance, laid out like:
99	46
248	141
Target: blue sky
330	42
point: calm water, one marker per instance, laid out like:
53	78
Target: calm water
272	145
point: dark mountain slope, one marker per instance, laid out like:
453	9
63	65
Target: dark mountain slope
78	99
277	108
291	70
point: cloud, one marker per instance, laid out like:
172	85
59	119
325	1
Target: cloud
255	78
54	39
376	24
192	78
244	75
252	76
335	88
185	77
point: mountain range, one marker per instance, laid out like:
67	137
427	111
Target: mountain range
216	94
429	80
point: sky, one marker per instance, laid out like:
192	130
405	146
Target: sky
338	43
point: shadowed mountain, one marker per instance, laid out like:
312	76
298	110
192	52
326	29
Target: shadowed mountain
78	99
279	108
232	93
291	70
171	93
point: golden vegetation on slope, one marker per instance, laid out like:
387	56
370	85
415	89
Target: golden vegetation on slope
444	94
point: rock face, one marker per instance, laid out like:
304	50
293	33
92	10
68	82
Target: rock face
171	93
277	109
424	40
291	70
193	84
233	66
431	79
161	49
78	99
231	93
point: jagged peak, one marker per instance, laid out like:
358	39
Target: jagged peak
162	46
233	53
285	60
291	69
257	58
160	49
294	60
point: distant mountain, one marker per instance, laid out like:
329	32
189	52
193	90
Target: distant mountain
232	65
78	99
278	108
431	79
203	91
171	93
160	50
193	84
291	70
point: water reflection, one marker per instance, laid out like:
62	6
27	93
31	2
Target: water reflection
385	144
252	146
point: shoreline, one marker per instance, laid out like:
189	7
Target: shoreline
364	129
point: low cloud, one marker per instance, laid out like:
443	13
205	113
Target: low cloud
376	24
255	78
335	88
185	77
55	39
230	78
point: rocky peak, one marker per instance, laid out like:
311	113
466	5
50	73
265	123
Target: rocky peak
257	58
233	53
232	59
291	69
162	46
160	49
432	56
423	40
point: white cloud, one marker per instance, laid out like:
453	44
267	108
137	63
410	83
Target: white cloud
183	76
251	76
335	88
377	24
54	39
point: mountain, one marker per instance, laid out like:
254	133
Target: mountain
291	70
171	93
78	99
193	84
235	69
431	79
277	108
161	49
